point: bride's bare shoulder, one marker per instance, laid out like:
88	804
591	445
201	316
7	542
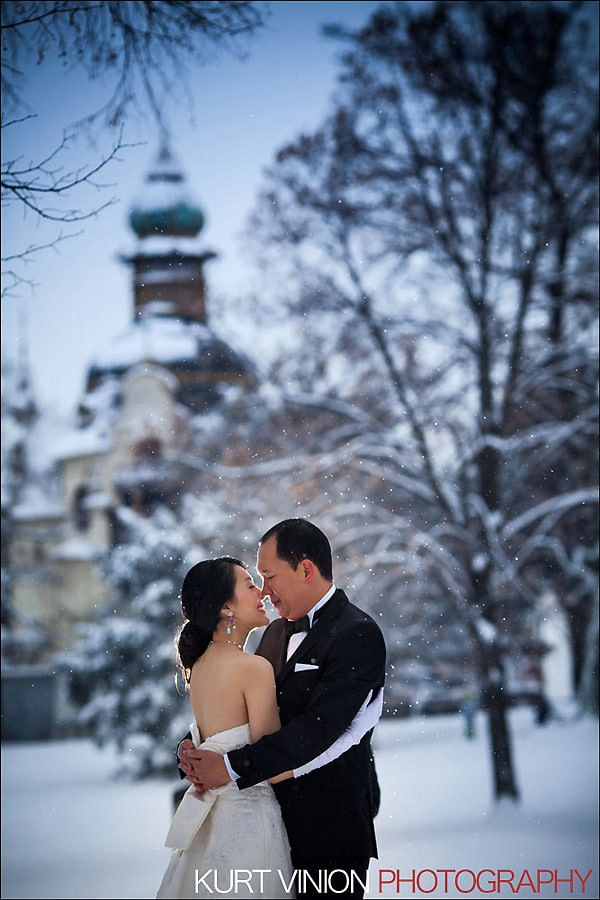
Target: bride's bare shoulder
258	665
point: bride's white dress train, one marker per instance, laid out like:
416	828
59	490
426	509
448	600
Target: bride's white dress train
224	837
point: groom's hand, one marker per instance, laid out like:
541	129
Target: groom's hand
204	768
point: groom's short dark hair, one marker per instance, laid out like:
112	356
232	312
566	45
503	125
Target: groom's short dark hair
299	539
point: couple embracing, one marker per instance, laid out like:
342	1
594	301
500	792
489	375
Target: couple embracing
284	789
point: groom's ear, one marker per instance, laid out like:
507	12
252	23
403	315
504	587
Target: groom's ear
308	570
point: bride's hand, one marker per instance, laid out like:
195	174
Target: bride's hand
186	760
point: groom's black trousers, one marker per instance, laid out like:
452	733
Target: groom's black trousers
331	877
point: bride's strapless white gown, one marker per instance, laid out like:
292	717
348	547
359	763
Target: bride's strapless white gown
221	839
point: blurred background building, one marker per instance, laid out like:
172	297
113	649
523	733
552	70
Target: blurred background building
144	398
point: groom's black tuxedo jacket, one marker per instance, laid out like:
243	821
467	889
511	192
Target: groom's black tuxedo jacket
329	812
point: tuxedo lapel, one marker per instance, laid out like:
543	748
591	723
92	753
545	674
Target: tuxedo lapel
329	613
273	645
288	666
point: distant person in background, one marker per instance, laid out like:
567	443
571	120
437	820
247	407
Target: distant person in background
329	662
468	708
541	706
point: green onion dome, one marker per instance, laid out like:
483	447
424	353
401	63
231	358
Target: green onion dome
165	205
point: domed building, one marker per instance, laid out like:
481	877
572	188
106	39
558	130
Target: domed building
161	399
169	366
170	323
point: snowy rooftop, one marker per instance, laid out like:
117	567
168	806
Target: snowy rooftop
76	549
165	184
158	339
81	442
37	503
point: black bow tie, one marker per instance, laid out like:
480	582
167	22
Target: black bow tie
303	624
293	627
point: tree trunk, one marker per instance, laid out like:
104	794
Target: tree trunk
587	692
579	618
493	701
500	744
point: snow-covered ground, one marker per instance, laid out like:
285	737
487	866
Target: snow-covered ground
69	830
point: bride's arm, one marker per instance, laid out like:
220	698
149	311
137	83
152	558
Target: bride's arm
261	701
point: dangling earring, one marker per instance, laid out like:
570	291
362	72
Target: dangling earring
231	623
187	676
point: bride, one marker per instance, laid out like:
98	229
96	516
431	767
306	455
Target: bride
223	838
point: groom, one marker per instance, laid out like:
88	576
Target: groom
328	656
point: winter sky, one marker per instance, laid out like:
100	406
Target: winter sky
244	110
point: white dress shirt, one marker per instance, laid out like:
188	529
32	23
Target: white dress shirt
297	638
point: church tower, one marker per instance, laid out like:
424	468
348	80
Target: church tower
168	264
170	327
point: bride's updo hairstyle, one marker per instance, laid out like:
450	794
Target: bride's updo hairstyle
206	588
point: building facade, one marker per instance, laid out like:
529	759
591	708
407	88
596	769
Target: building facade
165	371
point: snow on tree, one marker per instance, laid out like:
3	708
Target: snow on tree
440	228
122	672
437	417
